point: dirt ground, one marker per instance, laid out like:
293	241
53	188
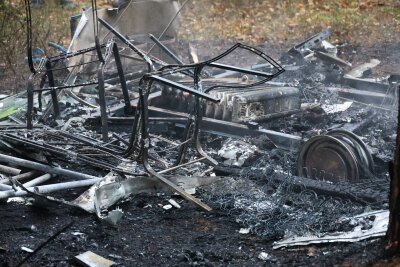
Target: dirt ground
149	235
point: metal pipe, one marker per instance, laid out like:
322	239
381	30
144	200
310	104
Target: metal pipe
129	44
34	182
39	180
63	87
165	49
242	70
4	187
233	129
181	165
53	93
9	170
118	63
20	177
102	104
182	87
45	168
49	188
29	109
251	67
169	53
76	53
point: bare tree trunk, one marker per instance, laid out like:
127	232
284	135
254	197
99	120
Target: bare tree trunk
393	233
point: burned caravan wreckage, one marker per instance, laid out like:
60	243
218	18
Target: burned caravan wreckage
108	114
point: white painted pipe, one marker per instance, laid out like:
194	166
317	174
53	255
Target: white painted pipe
4	187
9	170
45	168
36	181
20	177
39	180
49	188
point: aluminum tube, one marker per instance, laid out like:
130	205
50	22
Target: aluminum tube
45	168
39	180
34	182
9	170
49	188
4	187
20	177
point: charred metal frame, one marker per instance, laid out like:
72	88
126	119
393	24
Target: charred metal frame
70	155
139	143
140	137
46	67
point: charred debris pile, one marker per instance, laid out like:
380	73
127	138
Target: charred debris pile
292	146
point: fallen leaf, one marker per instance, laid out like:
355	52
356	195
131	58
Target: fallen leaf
311	252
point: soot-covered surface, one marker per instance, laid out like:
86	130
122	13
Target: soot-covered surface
149	235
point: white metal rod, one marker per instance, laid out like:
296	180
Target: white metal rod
44	168
39	180
49	188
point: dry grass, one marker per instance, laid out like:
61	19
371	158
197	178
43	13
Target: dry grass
280	23
50	22
286	22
